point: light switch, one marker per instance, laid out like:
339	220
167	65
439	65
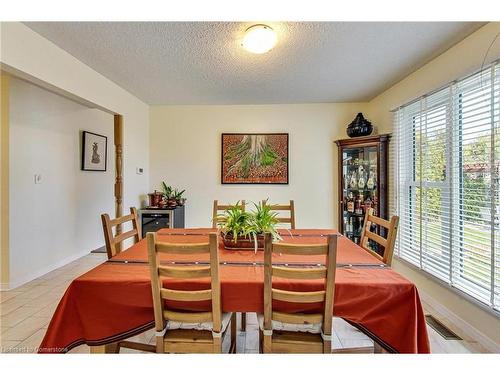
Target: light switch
38	178
139	170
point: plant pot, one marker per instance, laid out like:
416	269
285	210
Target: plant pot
171	203
242	243
180	202
155	198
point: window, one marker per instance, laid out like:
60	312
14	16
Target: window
446	191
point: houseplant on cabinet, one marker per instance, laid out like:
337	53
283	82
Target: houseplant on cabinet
168	195
178	195
173	197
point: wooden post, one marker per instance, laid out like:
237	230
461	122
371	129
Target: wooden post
4	180
118	136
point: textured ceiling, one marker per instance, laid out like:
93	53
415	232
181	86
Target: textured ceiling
203	63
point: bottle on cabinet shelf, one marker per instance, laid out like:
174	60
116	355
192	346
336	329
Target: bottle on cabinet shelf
358	207
361	180
350	203
353	183
348	225
370	184
368	204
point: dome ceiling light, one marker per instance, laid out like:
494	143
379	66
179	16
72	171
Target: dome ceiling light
259	39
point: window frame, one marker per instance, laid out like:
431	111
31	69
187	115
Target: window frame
452	187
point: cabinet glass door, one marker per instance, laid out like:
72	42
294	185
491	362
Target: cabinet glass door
359	188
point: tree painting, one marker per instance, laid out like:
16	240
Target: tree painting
254	158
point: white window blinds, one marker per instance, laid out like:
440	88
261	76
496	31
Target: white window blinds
446	190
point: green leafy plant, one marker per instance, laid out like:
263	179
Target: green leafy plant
234	221
264	220
168	191
241	224
178	194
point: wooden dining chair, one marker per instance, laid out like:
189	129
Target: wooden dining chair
390	227
216	219
179	331
217	208
113	247
114	240
283	207
282	332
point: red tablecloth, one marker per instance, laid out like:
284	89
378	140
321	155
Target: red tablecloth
113	301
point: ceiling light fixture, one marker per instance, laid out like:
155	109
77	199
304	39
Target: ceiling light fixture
259	39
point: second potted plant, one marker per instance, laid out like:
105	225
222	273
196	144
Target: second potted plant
168	195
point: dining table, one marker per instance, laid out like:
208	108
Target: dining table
113	301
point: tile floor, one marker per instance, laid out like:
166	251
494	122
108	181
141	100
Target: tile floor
25	313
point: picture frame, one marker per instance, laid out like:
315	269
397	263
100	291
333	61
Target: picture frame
94	152
255	158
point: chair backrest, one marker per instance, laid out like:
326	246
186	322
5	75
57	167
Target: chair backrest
114	240
326	272
161	294
284	207
390	227
221	207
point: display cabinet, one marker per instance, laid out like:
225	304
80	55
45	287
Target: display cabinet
362	182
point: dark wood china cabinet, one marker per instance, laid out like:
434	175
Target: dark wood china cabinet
362	181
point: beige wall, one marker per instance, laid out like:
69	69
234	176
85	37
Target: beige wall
185	151
58	220
462	59
25	54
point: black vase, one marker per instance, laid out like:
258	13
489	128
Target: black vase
359	127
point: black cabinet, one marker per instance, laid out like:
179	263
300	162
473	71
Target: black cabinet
154	219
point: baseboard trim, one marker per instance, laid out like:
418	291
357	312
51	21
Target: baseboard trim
17	283
460	326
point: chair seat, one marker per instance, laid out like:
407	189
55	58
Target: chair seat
205	326
289	327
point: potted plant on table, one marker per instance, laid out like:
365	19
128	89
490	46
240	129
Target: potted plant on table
245	230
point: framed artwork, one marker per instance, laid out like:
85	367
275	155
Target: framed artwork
94	152
249	158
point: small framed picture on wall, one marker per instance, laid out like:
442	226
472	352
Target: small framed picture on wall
94	152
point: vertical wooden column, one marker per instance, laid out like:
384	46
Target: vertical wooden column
118	136
4	181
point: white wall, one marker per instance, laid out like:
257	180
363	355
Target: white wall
26	54
58	220
185	151
462	59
